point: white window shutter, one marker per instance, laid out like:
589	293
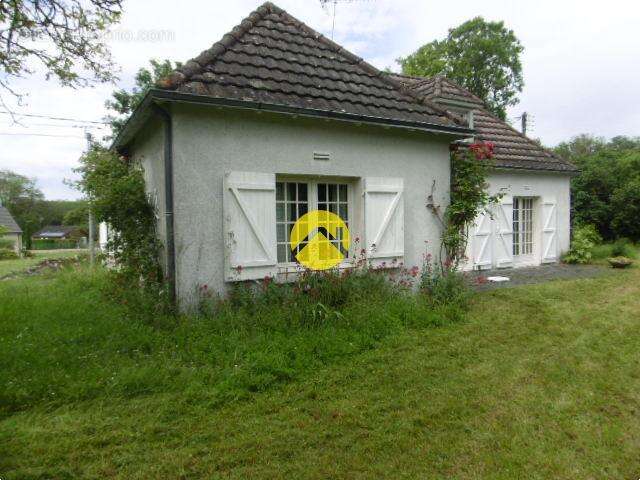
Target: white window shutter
504	232
549	230
384	219
481	242
249	205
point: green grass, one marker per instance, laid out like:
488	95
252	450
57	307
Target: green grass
7	267
539	382
607	250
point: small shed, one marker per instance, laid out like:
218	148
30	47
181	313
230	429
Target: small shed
13	230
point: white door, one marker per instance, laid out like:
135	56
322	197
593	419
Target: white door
481	248
503	238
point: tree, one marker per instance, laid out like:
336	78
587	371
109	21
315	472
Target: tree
606	193
481	56
23	199
78	217
124	102
63	36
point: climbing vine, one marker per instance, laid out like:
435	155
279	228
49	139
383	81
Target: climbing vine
116	189
470	166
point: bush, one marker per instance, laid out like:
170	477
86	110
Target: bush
8	254
582	245
622	248
5	243
444	286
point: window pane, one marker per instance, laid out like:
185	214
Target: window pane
343	193
333	193
292	215
279	191
282	253
322	192
322	206
281	232
302	192
280	212
343	212
302	209
291	192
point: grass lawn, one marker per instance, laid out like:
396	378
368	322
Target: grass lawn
8	267
537	382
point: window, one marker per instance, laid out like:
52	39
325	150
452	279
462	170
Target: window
294	199
522	225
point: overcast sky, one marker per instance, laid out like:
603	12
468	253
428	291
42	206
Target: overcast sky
581	64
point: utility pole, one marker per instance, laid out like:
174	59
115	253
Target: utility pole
92	226
523	119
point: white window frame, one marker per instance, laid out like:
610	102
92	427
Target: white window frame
523	238
312	201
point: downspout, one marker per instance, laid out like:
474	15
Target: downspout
165	116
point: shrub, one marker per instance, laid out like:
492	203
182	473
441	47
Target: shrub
444	286
5	243
622	248
8	254
582	245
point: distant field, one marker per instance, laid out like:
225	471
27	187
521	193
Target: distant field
8	267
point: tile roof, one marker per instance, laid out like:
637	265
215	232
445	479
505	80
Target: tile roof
7	221
512	148
55	231
273	58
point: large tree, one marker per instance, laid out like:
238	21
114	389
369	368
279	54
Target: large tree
123	102
62	38
606	193
481	56
23	199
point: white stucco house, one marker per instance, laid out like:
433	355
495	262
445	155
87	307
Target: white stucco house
276	120
11	229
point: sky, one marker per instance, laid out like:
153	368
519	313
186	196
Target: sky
581	65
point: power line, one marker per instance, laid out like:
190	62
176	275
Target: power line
49	117
40	135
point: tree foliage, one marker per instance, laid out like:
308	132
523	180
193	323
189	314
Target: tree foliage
606	193
481	56
123	102
117	191
61	36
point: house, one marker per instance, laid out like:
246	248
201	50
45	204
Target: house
59	232
12	230
531	224
276	120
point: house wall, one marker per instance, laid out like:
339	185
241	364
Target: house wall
16	238
148	151
540	186
210	142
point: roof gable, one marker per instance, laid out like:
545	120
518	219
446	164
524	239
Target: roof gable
512	148
273	58
7	221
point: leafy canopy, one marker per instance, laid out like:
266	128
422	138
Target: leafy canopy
481	56
606	193
64	37
123	102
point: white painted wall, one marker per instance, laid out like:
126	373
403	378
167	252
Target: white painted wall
210	142
540	186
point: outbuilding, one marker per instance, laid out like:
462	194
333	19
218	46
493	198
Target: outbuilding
276	120
11	229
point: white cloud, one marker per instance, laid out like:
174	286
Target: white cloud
580	63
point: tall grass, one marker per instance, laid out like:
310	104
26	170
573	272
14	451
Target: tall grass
64	338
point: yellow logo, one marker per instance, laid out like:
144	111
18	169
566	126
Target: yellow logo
320	240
